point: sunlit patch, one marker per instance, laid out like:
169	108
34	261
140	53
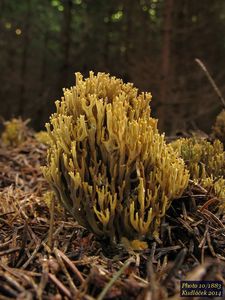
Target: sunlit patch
18	31
8	25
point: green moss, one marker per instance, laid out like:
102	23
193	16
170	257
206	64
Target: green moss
107	163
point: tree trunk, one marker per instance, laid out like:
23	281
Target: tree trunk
26	39
165	69
128	38
66	40
43	89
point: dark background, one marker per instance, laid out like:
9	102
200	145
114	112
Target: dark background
151	43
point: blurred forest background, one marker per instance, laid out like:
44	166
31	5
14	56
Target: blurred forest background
152	43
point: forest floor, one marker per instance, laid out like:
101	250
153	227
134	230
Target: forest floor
46	256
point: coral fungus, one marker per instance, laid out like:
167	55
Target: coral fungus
219	127
202	158
15	132
206	163
107	163
42	137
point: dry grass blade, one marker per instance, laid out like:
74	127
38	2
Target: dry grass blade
211	80
73	288
72	266
114	278
60	286
176	265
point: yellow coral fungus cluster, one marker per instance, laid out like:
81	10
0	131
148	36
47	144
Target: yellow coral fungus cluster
15	132
42	137
206	163
219	127
202	157
107	163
